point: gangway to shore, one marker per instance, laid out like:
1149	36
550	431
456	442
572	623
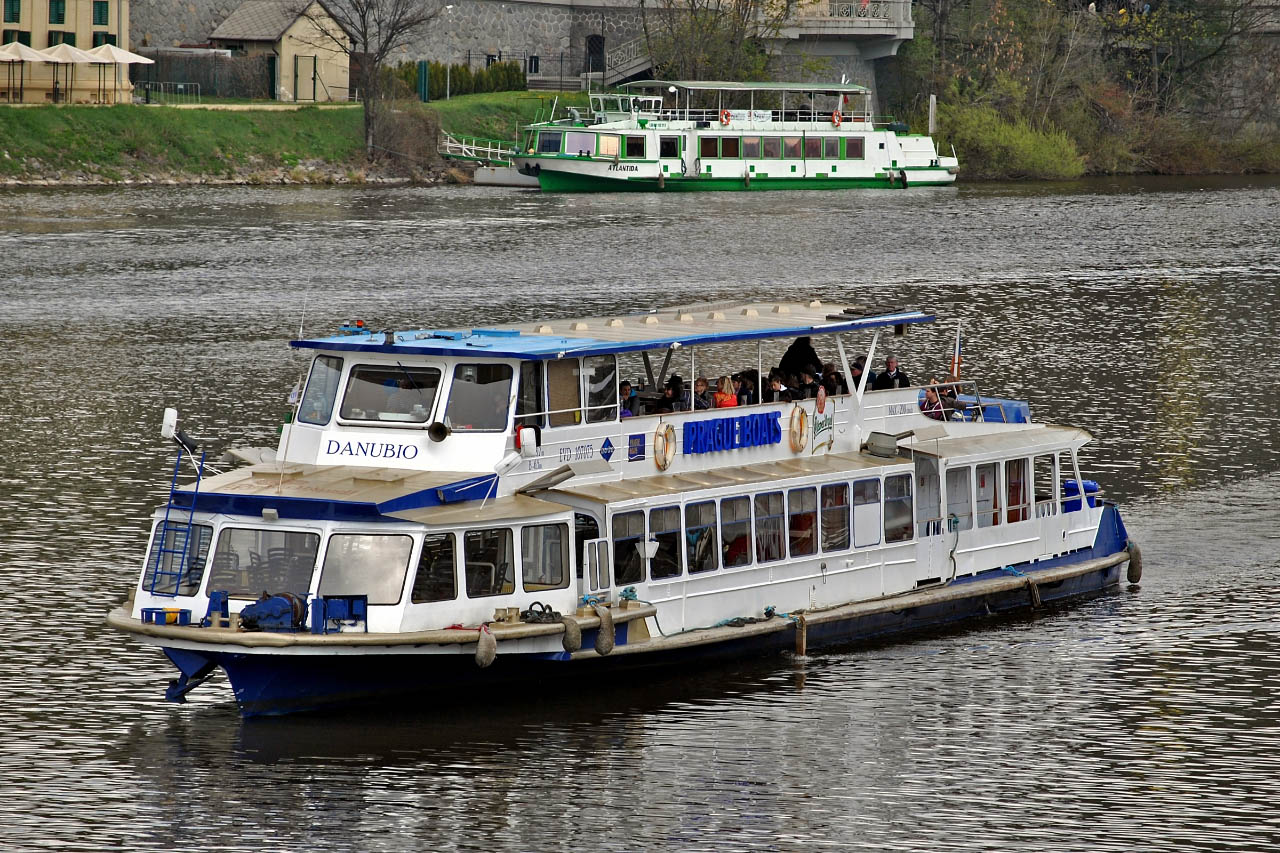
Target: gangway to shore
495	152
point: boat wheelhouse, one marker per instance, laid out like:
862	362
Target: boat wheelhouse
447	507
695	136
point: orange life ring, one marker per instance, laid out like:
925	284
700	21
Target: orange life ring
664	446
725	118
798	429
836	118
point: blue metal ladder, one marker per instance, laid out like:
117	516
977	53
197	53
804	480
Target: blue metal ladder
168	581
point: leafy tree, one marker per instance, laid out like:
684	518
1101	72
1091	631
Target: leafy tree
369	32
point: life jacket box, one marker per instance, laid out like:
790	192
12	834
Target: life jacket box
1071	487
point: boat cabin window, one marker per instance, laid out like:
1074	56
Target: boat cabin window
831	148
192	564
600	374
564	392
544	557
751	147
250	561
835	517
988	503
322	390
579	143
866	513
370	564
668	146
813	147
549	142
609	144
665	529
628	536
730	147
897	508
770	147
854	148
735	524
769	539
791	147
802	522
479	397
959	499
1017	493
635	147
390	393
489	556
700	536
708	147
437	578
1045	477
529	408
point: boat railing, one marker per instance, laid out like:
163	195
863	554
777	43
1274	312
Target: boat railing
712	117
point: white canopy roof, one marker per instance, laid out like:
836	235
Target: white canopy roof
65	54
118	56
18	52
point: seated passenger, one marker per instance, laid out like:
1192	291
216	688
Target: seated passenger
892	376
776	387
673	395
807	387
724	397
701	394
743	389
931	405
626	399
833	381
859	368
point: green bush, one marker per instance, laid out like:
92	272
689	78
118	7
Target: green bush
991	146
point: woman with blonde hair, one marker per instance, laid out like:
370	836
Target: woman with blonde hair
724	396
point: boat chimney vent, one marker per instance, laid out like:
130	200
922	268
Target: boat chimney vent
884	444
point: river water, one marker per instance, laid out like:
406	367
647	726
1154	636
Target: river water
1146	310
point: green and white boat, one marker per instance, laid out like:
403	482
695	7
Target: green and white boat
653	136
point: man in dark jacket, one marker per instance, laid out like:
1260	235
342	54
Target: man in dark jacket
799	356
892	377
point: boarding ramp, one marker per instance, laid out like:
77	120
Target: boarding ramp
476	149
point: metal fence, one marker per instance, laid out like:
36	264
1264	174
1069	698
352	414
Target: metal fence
216	74
165	92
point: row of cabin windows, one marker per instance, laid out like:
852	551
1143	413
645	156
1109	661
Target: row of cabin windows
995	493
58	13
549	394
763	528
250	561
581	144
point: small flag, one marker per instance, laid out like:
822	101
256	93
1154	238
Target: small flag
296	393
864	4
955	357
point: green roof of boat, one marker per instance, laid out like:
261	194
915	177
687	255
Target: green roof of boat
720	85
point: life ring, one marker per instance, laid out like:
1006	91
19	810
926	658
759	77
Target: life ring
836	118
725	118
799	429
664	446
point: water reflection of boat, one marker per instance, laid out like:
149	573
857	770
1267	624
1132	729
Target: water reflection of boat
452	508
737	136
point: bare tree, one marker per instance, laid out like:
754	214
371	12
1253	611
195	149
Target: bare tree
368	32
712	39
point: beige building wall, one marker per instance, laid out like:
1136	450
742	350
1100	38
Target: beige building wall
311	66
78	83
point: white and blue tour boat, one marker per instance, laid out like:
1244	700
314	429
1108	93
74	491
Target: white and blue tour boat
471	507
738	136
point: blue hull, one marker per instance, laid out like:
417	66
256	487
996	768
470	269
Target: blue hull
271	684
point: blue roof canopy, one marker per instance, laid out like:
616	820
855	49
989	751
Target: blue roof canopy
710	324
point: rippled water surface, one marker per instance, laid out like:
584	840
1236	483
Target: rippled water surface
1146	311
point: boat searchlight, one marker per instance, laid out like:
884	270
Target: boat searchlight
169	429
884	444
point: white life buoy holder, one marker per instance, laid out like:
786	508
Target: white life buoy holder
725	118
836	118
664	446
799	429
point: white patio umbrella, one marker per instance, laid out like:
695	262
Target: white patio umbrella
109	54
65	54
14	53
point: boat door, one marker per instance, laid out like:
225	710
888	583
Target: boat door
670	154
931	551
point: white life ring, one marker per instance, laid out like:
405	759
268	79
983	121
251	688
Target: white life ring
799	428
664	446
